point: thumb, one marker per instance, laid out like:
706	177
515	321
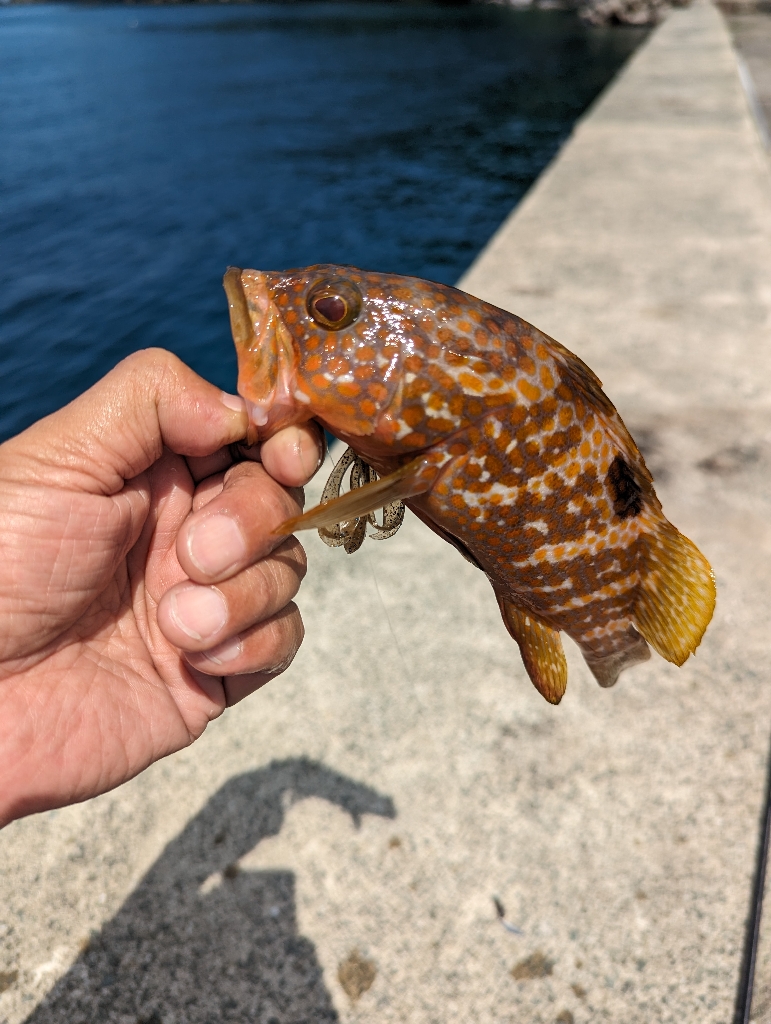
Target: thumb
120	426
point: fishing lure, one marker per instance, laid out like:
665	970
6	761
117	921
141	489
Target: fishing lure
496	436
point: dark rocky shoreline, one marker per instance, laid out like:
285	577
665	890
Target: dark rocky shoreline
593	12
615	12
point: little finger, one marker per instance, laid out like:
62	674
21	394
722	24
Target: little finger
265	649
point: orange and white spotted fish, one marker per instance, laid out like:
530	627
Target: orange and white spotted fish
496	436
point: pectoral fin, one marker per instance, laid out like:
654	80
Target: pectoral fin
676	594
541	650
407	481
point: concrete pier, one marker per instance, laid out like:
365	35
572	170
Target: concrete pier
331	848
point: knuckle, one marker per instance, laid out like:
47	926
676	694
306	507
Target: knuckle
281	581
259	503
293	553
155	361
241	473
276	504
147	374
281	638
263	591
251	480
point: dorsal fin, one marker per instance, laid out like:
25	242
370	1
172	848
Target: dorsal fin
541	650
581	379
676	593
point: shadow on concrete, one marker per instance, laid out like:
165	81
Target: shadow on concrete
189	948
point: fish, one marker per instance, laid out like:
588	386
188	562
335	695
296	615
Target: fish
496	436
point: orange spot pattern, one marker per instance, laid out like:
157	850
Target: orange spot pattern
521	429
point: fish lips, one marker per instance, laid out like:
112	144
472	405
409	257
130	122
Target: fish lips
267	361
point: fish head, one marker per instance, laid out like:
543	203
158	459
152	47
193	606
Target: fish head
319	342
344	346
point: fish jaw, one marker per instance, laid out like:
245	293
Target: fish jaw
267	361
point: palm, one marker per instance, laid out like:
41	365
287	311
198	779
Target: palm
140	592
97	664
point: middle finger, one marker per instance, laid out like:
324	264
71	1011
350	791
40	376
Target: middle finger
235	527
197	618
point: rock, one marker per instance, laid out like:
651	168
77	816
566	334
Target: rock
617	12
626	12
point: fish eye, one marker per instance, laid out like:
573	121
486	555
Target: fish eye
334	304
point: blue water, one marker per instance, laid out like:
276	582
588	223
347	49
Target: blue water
143	149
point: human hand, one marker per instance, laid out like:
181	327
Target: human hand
117	514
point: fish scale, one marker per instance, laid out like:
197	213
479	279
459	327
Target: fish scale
497	437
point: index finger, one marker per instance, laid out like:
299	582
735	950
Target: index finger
291	455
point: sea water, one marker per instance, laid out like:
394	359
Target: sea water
143	149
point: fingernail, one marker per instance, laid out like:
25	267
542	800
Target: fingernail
227	651
234	402
200	612
215	544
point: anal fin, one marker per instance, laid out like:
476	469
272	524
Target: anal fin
407	481
541	650
606	668
676	595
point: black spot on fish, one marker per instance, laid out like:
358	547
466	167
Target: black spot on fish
626	492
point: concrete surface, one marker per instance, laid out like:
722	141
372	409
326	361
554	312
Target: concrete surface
655	269
751	34
349	825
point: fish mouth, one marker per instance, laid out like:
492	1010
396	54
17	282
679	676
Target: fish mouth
266	357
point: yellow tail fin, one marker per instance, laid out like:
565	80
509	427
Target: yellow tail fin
677	594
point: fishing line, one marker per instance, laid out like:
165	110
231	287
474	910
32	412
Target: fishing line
500	911
332	440
425	709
